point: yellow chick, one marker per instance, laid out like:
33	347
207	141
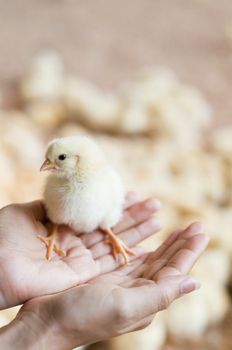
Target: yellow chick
83	191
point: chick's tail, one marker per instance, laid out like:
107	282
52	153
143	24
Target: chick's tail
118	247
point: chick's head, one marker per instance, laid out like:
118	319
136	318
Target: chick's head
73	155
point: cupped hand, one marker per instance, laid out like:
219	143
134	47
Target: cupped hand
25	273
121	301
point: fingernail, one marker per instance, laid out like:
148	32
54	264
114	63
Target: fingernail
132	195
198	227
207	239
153	204
189	285
156	223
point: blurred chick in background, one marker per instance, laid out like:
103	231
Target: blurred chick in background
83	191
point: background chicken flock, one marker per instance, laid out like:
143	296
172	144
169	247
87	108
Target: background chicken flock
156	132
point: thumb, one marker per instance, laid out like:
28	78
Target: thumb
171	288
151	298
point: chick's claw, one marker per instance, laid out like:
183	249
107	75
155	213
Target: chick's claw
59	251
51	246
119	247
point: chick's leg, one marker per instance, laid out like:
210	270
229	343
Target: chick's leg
118	246
50	243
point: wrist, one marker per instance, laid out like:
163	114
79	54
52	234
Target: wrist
42	330
28	332
17	334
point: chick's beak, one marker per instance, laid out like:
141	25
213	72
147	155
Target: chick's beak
47	165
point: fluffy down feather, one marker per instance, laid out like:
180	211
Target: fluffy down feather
83	190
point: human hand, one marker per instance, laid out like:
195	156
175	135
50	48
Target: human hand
25	273
118	302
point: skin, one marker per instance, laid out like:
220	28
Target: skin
27	274
126	299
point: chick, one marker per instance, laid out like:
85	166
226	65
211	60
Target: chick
83	191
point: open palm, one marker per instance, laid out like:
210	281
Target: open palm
154	280
26	273
123	300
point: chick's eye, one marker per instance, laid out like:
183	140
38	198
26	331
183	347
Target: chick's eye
62	157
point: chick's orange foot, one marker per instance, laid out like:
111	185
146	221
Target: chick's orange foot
51	245
118	247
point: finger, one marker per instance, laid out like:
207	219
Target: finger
174	287
119	276
183	260
131	237
157	260
137	213
131	198
166	260
139	302
35	209
151	257
89	239
134	215
139	271
128	269
163	261
140	232
98	235
166	249
107	263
